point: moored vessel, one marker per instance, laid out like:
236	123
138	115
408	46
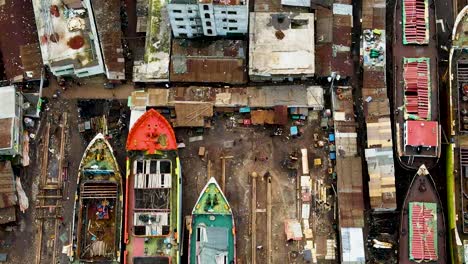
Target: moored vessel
98	205
153	194
422	228
416	94
457	150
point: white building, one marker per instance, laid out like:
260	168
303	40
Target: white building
193	18
68	38
281	46
11	123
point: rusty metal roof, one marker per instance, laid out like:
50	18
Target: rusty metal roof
107	17
19	37
218	61
7	185
350	197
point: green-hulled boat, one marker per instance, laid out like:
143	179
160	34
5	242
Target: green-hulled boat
98	205
212	233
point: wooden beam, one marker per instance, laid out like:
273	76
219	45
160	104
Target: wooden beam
253	221
49	196
63	140
45	155
223	172
269	249
209	170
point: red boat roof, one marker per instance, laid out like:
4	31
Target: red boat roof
151	132
422	133
417	83
423	230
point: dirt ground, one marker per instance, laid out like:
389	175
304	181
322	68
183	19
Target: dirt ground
253	149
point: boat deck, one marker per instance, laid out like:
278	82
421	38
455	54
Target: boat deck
152	219
418	240
413	157
99	236
222	237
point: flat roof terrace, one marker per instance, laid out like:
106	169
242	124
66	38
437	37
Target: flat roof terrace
67	35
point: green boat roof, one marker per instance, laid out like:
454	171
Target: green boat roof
212	235
212	200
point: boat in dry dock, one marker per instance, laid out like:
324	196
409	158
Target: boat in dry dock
98	205
153	194
212	232
416	94
457	154
422	227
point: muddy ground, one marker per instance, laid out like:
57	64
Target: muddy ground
252	148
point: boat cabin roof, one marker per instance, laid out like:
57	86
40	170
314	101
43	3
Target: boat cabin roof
151	132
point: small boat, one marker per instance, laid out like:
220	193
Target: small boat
457	151
416	93
98	205
153	194
214	240
422	227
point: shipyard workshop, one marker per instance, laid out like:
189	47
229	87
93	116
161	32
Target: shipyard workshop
233	131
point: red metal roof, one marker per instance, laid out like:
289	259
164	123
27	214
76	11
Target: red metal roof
423	246
422	133
416	76
151	132
415	21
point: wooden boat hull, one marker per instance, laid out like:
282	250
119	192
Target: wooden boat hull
412	158
212	229
154	193
422	213
98	206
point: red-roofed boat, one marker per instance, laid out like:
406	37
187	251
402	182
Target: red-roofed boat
422	227
416	94
153	200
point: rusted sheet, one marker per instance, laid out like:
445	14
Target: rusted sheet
281	115
367	14
7	185
379	17
5	133
324	64
191	114
107	17
324	25
219	61
32	60
373	79
341	31
343	64
18	29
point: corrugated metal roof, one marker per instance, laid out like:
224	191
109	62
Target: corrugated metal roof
19	37
192	114
349	187
423	231
7	185
219	61
107	17
417	82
